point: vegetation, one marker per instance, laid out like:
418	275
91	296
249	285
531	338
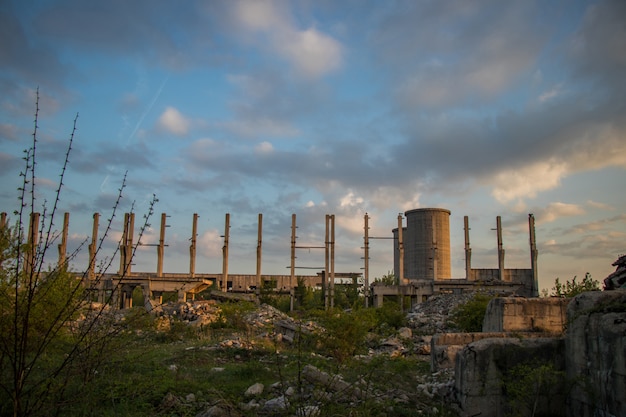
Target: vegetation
469	316
573	288
61	354
531	387
53	339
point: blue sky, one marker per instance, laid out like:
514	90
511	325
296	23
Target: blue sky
485	108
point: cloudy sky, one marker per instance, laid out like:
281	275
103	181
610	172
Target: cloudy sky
485	108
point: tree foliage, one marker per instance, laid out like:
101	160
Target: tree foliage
573	288
469	316
52	336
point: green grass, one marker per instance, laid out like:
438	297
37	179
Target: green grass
151	373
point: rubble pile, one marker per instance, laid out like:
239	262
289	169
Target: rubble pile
430	316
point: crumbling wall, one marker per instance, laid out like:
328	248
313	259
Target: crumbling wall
485	377
595	351
514	314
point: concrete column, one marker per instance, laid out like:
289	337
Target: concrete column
161	246
225	253
259	254
192	247
366	269
129	243
500	247
293	259
434	247
468	250
93	248
63	245
332	260
401	251
533	255
33	238
325	285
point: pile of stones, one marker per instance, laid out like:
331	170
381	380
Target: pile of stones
431	316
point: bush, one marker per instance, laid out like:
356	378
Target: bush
469	316
345	332
573	288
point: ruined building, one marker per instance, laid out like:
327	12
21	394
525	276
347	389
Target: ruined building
422	261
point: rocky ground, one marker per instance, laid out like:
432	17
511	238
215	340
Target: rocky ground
305	397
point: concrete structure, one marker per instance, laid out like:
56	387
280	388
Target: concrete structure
515	314
426	244
422	257
516	317
581	373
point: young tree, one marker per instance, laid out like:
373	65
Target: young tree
573	288
43	346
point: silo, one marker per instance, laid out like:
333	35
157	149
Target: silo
427	244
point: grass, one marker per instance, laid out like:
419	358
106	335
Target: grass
154	373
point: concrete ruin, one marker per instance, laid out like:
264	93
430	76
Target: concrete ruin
580	373
618	278
422	261
505	317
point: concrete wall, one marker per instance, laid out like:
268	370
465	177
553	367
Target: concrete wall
587	364
444	347
484	368
515	314
595	351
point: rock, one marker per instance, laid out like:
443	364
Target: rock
275	405
595	346
405	333
308	411
215	411
254	390
190	398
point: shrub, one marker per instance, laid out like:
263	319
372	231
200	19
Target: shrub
573	288
469	316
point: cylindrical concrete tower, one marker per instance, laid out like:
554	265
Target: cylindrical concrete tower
427	244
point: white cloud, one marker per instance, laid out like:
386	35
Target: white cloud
551	93
264	148
262	127
210	244
557	210
351	200
526	182
311	52
172	121
598	205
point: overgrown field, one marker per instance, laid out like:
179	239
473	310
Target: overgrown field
164	366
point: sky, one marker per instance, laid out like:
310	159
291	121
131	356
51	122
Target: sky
485	108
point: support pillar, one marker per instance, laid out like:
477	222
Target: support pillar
161	246
192	247
400	251
259	254
126	249
63	245
332	261
500	248
92	252
468	250
293	260
366	269
533	256
225	254
33	233
325	285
